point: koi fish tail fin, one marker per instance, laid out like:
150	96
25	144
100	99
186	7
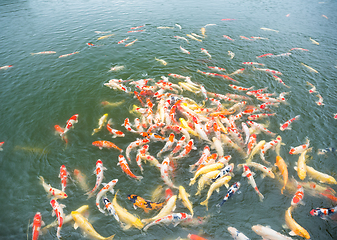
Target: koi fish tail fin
192	181
110	121
191	168
139	178
205	203
95	131
146	221
90	194
41	180
32	54
261	197
111	237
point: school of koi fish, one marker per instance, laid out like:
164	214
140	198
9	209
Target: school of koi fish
218	124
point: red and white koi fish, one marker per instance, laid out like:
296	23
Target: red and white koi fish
45	52
106	144
205	154
240	88
110	208
217	68
137	27
301	49
99	177
177	76
251	143
206	52
133	145
254	92
269	145
247	173
69	54
58	211
151	159
70	124
228	19
265	55
313	88
282	55
253	63
183	38
168	144
91	44
140	152
59	130
64	174
114	132
177	129
265	171
231	54
37	223
226	37
128	126
260	127
298	197
125	167
121	41
260	116
174	218
56	193
239	71
268	233
267	99
184	50
188	148
266	104
164	168
301	148
245	38
280	80
320	100
268	71
5	67
107	188
251	111
259	38
286	125
134	31
131	43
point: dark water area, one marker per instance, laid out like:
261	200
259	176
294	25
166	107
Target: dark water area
40	91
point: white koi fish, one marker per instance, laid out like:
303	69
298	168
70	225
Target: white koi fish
5	67
268	233
194	38
247	173
182	38
178	26
45	52
56	193
203	50
184	50
116	68
236	234
314	41
161	61
58	211
99	177
107	188
69	54
232	55
164	169
174	218
320	100
268	29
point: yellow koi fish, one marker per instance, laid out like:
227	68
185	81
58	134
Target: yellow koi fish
166	210
183	195
301	166
84	224
206	179
295	228
314	41
101	122
280	163
106	36
310	68
161	61
206	169
322	177
215	186
126	217
185	125
255	150
194	38
203	31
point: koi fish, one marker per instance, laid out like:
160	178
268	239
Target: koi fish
268	233
215	186
37	223
184	50
69	54
45	52
322	177
226	37
325	16
164	168
5	67
115	133
134	31
232	55
314	41
188	148
300	49
146	205
245	38
260	116
286	125
183	195
108	205
194	236
174	218
101	123
121	41
131	43
99	177
310	68
260	127
217	68
125	167
56	193
226	171
323	213
265	55
106	188
268	29
268	71
203	50
70	124
194	38
106	144
247	173
270	145
326	150
228	19
320	100
165	27
282	166
251	143
106	36
59	130
166	210
116	68
266	171
178	26
259	38
295	228
84	224
313	88
301	148
240	88
133	145
298	197
137	27
161	61
233	189
101	32
58	211
253	63
64	174
301	165
183	38
125	217
81	179
278	79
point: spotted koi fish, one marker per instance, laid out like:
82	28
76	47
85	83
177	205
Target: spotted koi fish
286	125
297	198
174	218
110	208
233	189
139	202
125	167
106	144
247	173
240	88
99	177
64	174
323	213
58	211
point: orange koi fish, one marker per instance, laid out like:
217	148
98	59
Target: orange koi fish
70	124
64	174
139	202
37	223
282	166
106	144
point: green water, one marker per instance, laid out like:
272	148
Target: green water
41	91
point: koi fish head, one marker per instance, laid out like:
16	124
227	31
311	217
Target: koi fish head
37	219
99	162
316	212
